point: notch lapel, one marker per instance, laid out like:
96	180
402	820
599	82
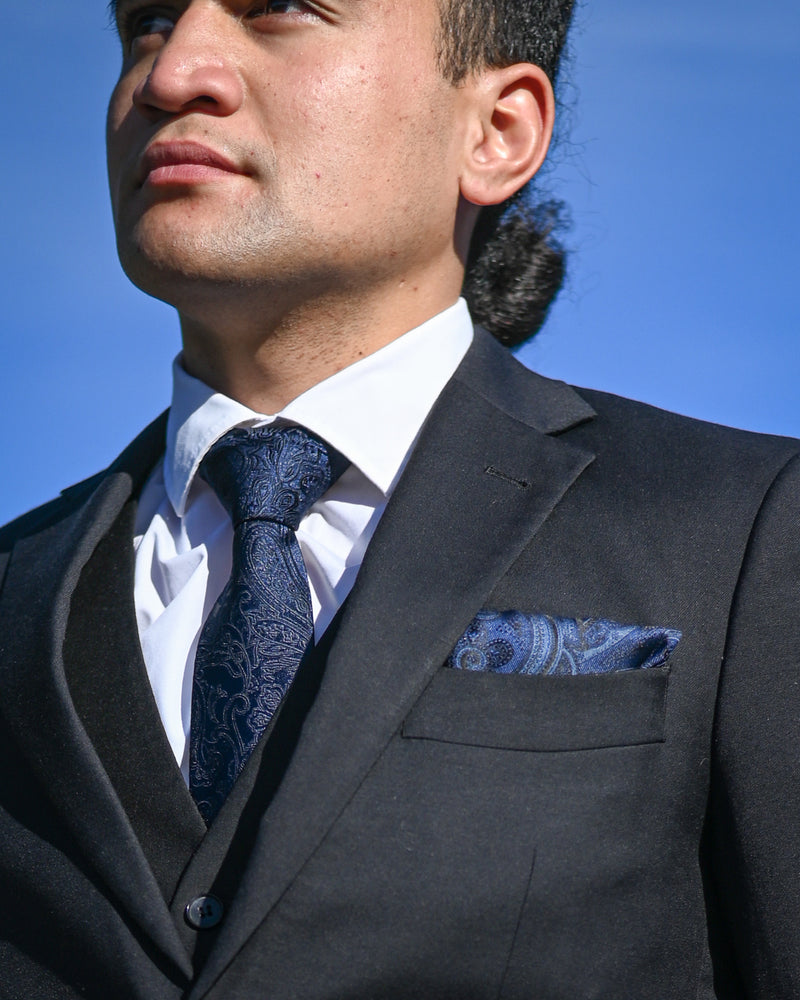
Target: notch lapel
484	476
38	713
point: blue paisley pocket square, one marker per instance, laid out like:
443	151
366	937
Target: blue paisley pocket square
510	642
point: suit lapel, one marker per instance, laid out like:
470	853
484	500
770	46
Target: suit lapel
43	569
484	476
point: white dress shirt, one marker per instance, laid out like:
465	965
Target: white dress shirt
372	412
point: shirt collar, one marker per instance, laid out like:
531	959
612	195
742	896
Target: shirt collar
371	411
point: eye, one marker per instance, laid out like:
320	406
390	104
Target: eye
140	23
153	24
280	7
277	16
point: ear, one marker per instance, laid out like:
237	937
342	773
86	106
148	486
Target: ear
514	112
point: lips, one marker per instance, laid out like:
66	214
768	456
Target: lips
182	163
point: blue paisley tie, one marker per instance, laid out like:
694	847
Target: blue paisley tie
250	647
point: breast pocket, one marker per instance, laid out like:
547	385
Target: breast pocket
541	713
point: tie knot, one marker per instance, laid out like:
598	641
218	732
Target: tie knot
268	473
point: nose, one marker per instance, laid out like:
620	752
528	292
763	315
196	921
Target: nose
193	70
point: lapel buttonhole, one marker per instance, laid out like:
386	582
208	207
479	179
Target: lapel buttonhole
521	484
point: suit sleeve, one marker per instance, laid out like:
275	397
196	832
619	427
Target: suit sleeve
754	812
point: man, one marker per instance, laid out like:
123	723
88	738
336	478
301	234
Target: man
534	732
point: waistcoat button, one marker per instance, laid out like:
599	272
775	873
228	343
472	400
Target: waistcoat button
204	913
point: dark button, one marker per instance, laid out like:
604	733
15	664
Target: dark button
204	913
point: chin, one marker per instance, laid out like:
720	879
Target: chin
156	258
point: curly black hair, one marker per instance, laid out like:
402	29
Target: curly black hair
516	265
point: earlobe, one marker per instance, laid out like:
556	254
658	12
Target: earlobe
514	115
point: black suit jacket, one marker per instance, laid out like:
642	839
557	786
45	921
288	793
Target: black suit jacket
441	833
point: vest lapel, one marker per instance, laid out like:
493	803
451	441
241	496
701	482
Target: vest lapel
108	684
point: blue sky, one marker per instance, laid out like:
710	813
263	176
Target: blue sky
680	167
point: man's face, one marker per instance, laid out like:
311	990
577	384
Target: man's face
284	142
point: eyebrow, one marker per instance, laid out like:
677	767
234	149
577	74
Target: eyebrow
112	10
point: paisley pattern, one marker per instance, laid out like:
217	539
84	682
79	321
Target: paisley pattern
510	642
267	478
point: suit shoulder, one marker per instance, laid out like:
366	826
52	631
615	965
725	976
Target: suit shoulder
47	514
136	461
661	435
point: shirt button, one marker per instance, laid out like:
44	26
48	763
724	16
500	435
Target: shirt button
204	913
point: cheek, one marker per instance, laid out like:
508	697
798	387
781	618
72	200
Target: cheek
115	118
120	132
119	103
356	119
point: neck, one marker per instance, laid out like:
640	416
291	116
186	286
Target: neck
264	357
